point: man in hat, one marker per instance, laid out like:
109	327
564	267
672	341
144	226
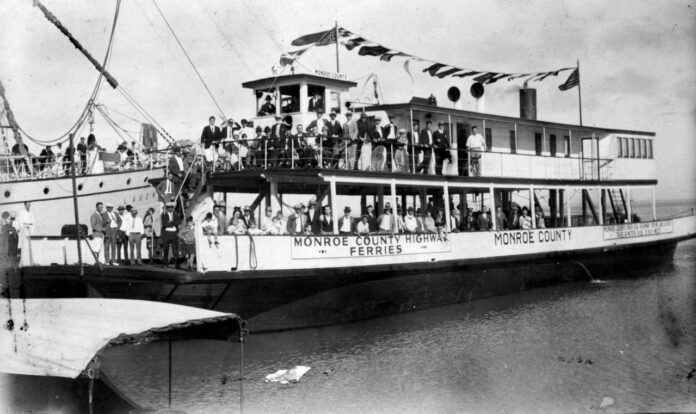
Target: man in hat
167	189
170	224
371	218
350	136
441	146
267	108
363	154
275	142
346	224
318	123
297	221
210	136
335	134
8	238
96	221
230	128
112	223
316	102
313	215
135	231
426	143
248	217
410	221
385	222
400	153
326	220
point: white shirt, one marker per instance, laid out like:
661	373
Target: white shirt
363	228
127	223
112	222
476	142
385	222
25	220
266	223
346	225
410	223
135	225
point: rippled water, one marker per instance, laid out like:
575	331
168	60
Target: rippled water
564	348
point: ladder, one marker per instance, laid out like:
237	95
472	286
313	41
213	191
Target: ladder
618	204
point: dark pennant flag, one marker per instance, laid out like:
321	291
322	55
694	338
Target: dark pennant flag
308	39
572	81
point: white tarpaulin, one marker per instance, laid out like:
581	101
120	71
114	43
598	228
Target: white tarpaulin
59	337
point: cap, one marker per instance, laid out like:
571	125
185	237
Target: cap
247	208
391	116
268	97
303	205
402	130
277	117
134	210
349	113
409	208
121	207
109	205
312	202
320	111
5	214
346	209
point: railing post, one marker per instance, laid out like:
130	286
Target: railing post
321	152
265	154
292	154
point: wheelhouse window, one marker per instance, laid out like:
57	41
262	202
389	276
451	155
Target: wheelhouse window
289	99
335	102
489	139
566	146
513	142
639	148
265	102
624	144
316	98
619	148
552	145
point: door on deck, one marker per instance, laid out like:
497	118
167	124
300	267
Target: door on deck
462	134
590	158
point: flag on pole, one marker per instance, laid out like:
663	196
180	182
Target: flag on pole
289	58
572	81
314	38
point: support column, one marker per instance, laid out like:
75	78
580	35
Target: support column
304	98
379	208
493	209
561	209
392	190
569	217
628	205
654	206
334	205
532	206
553	208
445	189
602	207
274	198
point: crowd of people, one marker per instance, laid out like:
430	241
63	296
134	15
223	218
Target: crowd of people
357	144
55	161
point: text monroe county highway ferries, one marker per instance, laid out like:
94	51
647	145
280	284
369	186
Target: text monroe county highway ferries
372	245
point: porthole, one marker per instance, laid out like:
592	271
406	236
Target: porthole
128	181
79	187
101	184
7	194
46	190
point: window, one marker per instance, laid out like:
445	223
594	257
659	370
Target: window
537	143
316	98
624	143
513	142
639	153
650	149
644	147
265	102
552	145
489	139
632	148
289	99
566	146
619	148
335	102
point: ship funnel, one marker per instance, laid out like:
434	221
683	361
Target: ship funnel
528	107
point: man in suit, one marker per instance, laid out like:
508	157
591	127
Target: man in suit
441	145
350	136
248	217
230	128
268	108
219	214
47	158
371	218
112	222
319	123
335	134
313	215
326	220
379	150
276	142
167	189
500	219
364	135
210	136
426	142
346	224
96	221
82	151
170	231
316	103
513	222
297	221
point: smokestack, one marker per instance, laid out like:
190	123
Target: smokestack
528	108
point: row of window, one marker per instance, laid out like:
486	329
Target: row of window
634	148
289	100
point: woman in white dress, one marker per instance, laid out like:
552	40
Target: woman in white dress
94	164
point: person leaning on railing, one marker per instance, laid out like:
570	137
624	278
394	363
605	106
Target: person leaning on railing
476	145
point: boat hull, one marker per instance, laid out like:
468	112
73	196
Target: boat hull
301	298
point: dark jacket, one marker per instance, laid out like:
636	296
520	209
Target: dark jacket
210	136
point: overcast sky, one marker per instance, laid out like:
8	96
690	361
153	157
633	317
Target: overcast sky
638	60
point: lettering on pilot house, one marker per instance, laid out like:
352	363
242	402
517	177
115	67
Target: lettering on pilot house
324	247
532	236
624	231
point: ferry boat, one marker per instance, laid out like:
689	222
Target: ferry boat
579	178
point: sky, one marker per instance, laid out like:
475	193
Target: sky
637	58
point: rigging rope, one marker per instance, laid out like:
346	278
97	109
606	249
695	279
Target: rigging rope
222	113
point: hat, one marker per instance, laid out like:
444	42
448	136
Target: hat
5	214
134	210
312	201
440	123
109	205
409	208
402	130
349	113
268	97
170	204
320	110
391	116
363	115
297	207
333	113
346	209
387	205
303	205
121	207
277	117
247	208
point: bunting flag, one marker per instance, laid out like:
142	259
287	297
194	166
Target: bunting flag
290	57
441	70
572	81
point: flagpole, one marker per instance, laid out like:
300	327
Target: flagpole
336	36
579	93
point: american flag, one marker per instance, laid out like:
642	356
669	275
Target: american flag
328	38
573	81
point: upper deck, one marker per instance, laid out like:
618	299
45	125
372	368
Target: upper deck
517	148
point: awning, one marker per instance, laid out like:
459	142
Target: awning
59	337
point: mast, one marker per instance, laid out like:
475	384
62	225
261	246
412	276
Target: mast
336	37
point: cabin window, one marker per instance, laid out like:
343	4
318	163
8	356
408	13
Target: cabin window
644	147
316	98
537	143
265	102
552	145
513	142
335	102
566	146
619	148
638	148
489	139
632	148
624	145
289	99
650	149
